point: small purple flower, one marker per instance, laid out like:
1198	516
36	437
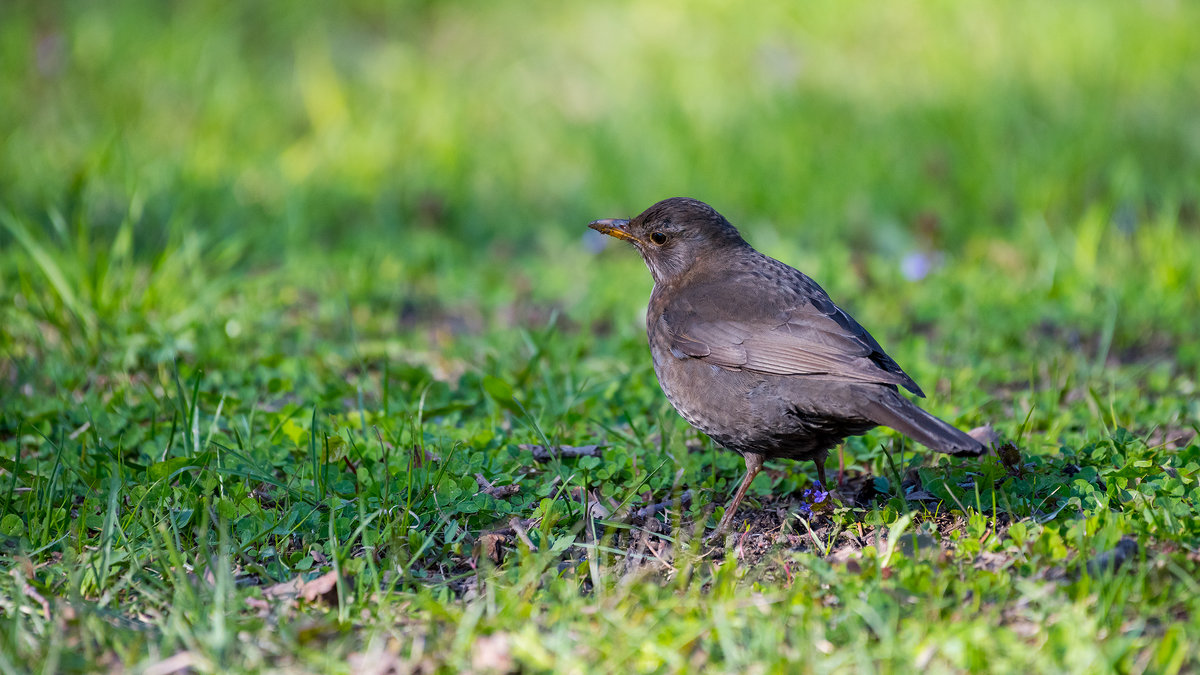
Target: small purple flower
917	265
815	500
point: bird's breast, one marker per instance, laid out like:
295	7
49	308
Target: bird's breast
747	411
717	401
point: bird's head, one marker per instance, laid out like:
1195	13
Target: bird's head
675	234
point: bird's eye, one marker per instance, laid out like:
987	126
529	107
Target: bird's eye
658	238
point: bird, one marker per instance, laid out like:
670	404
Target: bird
755	354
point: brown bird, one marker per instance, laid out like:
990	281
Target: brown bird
754	353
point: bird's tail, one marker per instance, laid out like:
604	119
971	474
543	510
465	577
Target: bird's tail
895	411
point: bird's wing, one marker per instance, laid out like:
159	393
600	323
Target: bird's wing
802	334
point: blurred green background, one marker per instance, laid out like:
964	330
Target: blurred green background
207	178
278	279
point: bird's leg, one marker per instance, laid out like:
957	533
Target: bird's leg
754	464
835	491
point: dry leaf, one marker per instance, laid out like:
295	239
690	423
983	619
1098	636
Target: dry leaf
377	661
323	587
1010	455
985	434
492	546
182	661
284	589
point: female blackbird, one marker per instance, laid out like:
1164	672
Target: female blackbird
753	353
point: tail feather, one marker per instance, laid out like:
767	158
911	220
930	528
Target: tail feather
895	411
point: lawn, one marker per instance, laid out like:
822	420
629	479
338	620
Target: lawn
309	363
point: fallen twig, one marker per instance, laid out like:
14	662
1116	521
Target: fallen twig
685	498
525	523
498	491
519	529
32	593
543	454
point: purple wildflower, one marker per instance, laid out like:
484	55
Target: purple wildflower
815	500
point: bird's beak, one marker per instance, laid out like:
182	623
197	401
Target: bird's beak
613	227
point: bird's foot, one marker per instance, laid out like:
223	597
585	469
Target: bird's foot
717	536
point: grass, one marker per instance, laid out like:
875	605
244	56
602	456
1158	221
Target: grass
278	281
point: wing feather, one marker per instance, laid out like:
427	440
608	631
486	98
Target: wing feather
811	337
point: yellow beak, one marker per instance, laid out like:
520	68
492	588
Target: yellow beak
614	227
